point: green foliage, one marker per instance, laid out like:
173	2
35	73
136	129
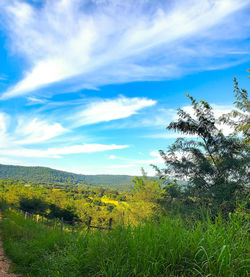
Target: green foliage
81	202
215	165
172	190
169	247
33	205
239	117
146	189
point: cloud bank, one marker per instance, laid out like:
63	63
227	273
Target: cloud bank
91	43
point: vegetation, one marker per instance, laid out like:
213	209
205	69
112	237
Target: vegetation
216	166
170	247
80	202
161	228
47	176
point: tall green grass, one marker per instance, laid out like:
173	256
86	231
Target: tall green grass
172	247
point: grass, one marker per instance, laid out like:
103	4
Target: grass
172	247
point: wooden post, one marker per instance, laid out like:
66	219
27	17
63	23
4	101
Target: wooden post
61	224
110	223
25	215
89	222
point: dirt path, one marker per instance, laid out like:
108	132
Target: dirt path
4	262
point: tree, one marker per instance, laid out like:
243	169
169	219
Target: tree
214	164
239	117
33	205
145	188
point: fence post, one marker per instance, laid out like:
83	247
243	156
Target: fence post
25	215
61	224
110	223
89	222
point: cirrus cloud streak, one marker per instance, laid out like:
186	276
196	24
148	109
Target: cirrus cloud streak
93	43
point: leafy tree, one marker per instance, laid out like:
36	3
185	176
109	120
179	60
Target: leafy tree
145	188
172	190
214	164
33	205
239	117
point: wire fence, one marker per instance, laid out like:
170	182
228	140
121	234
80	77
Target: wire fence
61	223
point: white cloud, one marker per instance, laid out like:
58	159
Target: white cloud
155	158
110	109
35	131
35	101
112	157
100	42
133	166
155	117
5	138
4	119
59	151
16	131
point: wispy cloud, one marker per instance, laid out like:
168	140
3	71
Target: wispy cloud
35	131
133	166
4	119
30	135
91	43
36	101
155	158
105	110
60	151
155	117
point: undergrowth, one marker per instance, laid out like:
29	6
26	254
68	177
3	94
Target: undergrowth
170	247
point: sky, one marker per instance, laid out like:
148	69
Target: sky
90	86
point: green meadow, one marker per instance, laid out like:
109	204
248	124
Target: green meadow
171	246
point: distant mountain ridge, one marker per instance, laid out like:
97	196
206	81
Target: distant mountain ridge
46	175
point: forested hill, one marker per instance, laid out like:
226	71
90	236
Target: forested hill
45	175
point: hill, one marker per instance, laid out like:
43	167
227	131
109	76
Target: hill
45	175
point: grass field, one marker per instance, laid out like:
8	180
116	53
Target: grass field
171	247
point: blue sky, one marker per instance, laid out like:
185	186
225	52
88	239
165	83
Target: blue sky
89	86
